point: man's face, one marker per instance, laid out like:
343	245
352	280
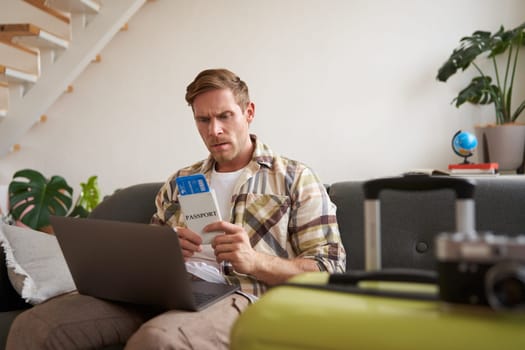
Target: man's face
223	126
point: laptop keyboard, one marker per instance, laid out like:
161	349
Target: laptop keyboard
201	297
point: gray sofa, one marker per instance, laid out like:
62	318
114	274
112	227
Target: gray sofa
409	221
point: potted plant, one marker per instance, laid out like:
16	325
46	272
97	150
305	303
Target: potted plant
32	198
502	49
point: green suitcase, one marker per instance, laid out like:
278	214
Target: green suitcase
293	317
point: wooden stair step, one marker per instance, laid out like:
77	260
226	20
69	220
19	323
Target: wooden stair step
9	74
21	11
75	6
20	57
42	5
31	35
4	99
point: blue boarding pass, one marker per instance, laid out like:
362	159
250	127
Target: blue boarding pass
192	184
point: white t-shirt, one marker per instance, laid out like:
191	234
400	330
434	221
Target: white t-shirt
203	264
223	184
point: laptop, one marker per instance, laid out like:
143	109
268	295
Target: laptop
133	263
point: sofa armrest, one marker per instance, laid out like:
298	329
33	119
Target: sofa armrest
9	298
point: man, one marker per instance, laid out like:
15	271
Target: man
278	221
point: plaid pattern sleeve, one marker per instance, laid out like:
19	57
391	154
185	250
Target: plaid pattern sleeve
167	207
313	230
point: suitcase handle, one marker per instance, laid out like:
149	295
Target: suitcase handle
464	188
347	283
465	211
385	275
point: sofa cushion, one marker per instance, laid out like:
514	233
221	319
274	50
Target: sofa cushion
132	204
36	267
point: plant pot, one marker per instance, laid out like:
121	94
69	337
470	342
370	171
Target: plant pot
503	144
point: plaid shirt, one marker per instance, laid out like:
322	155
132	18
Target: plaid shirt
281	204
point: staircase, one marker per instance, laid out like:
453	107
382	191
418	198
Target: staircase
44	46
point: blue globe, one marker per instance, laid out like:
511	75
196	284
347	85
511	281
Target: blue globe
464	143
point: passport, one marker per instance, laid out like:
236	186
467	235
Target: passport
198	204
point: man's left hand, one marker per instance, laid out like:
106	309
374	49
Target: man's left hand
233	246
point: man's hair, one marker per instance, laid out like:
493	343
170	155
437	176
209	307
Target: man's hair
216	79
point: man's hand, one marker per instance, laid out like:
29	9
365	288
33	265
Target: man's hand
233	246
190	242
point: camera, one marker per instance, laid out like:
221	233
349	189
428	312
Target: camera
482	269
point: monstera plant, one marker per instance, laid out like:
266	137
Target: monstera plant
495	88
33	198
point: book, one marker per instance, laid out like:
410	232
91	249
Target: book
474	166
199	210
473	169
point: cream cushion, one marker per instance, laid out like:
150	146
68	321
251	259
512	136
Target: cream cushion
35	263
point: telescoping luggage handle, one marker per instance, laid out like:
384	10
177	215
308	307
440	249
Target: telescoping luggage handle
465	211
349	281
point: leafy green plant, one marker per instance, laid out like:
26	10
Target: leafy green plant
485	89
33	198
88	199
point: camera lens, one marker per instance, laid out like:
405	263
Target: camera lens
505	286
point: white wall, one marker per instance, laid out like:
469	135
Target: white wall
346	86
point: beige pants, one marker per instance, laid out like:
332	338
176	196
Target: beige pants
83	322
